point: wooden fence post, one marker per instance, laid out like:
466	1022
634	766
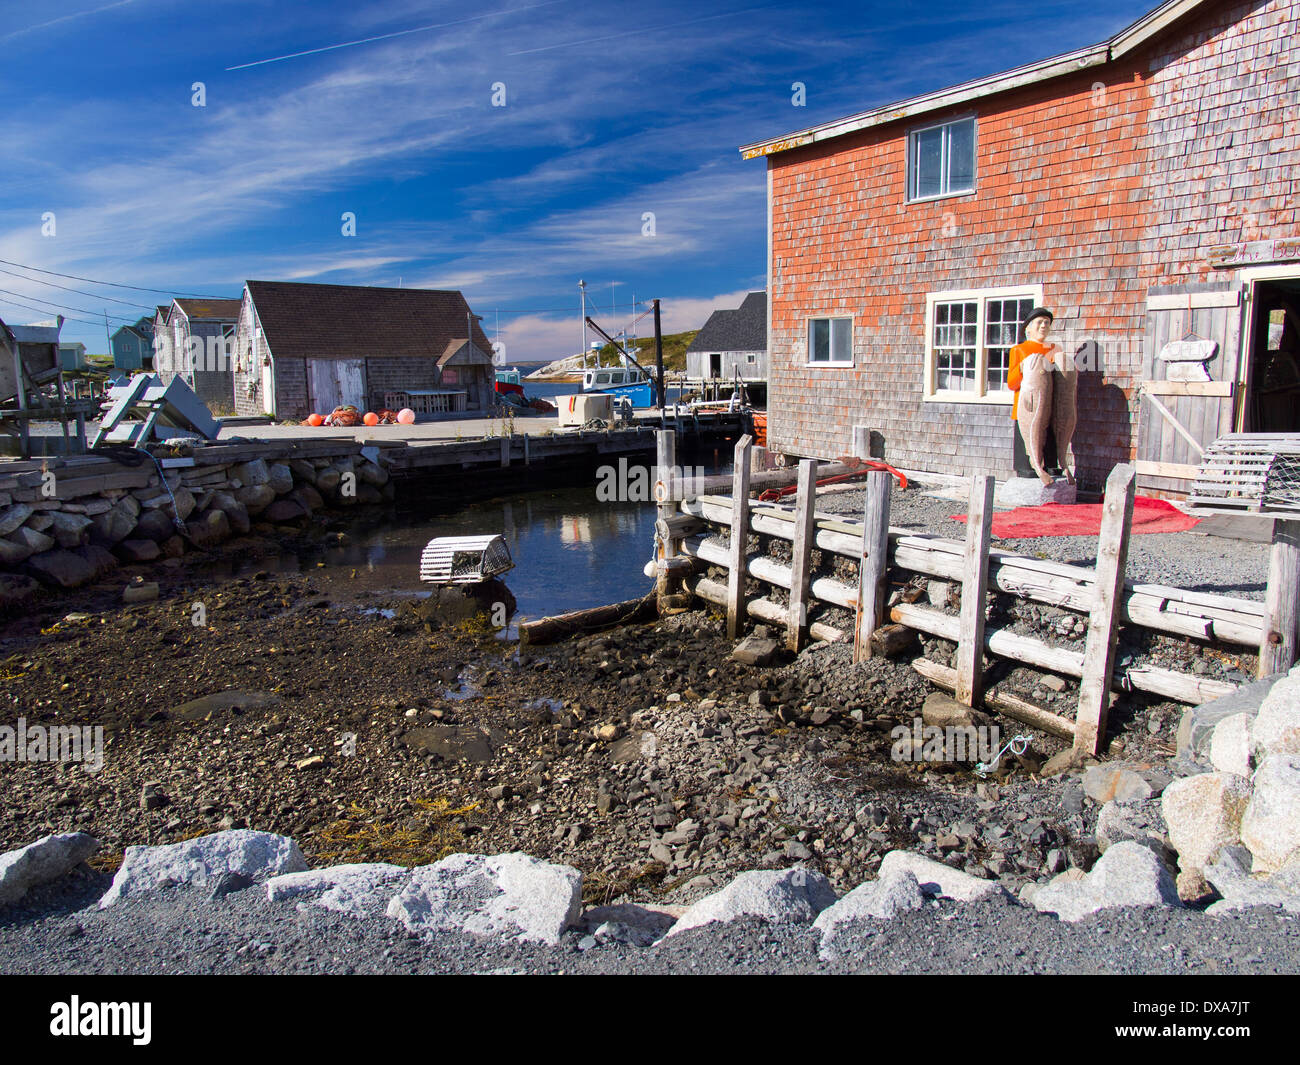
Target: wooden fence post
974	585
739	536
1103	621
871	566
665	494
801	555
1277	649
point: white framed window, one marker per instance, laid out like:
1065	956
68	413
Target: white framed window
830	341
969	335
941	160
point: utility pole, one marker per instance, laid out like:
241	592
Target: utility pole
582	348
659	360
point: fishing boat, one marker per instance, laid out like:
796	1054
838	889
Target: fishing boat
509	381
630	382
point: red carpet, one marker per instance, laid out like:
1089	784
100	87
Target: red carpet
1084	519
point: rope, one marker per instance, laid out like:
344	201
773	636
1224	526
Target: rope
984	769
125	455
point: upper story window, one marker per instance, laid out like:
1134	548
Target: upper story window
969	337
830	341
941	160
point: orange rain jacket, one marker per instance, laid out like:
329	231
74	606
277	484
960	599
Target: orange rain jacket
1018	355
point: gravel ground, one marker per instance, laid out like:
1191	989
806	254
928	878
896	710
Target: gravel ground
1184	560
179	931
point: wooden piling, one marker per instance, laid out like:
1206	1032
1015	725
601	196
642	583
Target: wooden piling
665	493
739	536
970	646
801	555
871	567
1277	649
1103	620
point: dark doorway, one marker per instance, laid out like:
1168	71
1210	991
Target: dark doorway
715	364
1273	385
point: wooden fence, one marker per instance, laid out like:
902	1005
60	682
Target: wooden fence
687	525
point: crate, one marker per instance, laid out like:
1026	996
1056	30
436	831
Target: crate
464	559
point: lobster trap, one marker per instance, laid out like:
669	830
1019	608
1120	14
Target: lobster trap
464	559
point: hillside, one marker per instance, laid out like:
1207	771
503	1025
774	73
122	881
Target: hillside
675	345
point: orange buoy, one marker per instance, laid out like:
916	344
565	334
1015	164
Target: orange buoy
315	419
371	418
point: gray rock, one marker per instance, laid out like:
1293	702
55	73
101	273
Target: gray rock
251	473
1140	822
1231	746
153	525
453	742
755	651
506	895
372	474
1204	813
229	884
69	530
42	862
12	518
781	896
199	862
1128	874
358	889
283	510
256	498
280	478
936	878
1270	826
638	926
67	569
1276	729
138	551
1196	726
30	538
881	899
116	523
1123	781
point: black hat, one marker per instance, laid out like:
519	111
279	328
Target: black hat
1038	312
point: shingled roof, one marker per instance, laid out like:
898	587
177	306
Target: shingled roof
210	310
744	329
349	321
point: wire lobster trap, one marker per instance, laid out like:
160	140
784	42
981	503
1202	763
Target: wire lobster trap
1259	472
464	559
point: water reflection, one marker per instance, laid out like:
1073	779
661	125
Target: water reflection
571	551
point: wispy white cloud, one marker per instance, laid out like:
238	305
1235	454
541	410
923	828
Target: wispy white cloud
62	19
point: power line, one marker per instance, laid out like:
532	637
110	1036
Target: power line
78	291
112	284
41	310
65	307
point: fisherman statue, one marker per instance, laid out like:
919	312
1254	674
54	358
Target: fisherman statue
1044	385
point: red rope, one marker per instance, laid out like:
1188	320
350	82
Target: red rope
866	466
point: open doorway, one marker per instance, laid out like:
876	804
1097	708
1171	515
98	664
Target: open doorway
1273	381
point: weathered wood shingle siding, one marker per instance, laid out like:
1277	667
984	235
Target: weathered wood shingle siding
1095	194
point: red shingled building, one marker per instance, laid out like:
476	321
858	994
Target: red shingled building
1143	188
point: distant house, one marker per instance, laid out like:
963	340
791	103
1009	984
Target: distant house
1142	188
72	355
303	348
133	346
194	344
731	342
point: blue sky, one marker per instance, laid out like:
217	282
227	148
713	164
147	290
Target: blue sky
611	111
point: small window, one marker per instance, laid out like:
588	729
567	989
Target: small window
751	358
969	337
830	341
941	160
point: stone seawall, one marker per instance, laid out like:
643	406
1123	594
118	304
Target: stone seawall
65	522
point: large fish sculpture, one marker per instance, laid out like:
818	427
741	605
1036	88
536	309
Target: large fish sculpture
1034	411
1065	391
